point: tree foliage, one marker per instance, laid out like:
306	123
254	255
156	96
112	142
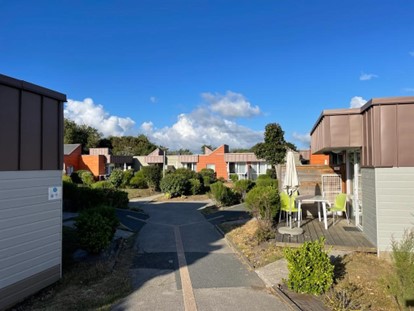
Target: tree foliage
88	136
180	152
273	149
131	145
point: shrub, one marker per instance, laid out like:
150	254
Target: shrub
271	172
103	184
79	198
263	202
208	176
196	186
86	177
116	177
310	270
243	186
401	281
188	174
152	175
66	178
96	228
223	195
175	185
138	182
126	178
264	231
75	178
265	181
234	177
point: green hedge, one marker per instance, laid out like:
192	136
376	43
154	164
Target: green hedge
175	185
265	181
96	228
310	269
223	195
76	198
263	202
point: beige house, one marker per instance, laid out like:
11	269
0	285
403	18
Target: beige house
375	143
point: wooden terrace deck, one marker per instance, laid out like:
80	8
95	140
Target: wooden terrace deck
341	235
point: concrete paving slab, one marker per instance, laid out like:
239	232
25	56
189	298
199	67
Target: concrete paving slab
211	270
240	299
202	237
154	290
273	273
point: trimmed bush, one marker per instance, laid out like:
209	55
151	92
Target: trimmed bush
310	269
116	177
187	173
96	228
243	186
263	202
138	182
208	176
266	181
79	198
223	195
175	185
103	184
234	177
152	175
196	186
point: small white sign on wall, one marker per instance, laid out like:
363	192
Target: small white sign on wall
55	193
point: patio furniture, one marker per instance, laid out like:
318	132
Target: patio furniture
339	206
315	199
288	205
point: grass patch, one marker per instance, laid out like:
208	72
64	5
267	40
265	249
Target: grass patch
139	193
244	238
87	285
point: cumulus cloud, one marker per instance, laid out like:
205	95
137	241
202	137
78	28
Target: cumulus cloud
200	127
231	104
88	113
153	99
367	76
357	102
304	139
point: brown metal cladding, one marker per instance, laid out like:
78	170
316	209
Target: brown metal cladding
383	128
31	126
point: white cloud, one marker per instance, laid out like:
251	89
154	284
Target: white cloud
199	127
304	139
88	113
231	104
411	53
153	99
367	76
357	102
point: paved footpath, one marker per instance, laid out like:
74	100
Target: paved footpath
183	263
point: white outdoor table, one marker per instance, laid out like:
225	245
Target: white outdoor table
308	199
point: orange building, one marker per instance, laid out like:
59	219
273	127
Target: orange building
71	156
214	160
96	164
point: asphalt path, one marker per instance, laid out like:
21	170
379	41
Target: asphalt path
183	263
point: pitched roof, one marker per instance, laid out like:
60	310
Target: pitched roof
69	148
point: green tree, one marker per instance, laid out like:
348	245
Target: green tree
273	149
180	152
88	136
131	145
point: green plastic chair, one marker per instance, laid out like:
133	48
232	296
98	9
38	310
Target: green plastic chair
339	205
285	200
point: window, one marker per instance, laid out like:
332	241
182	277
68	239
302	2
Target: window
211	166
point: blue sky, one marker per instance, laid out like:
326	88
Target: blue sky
188	73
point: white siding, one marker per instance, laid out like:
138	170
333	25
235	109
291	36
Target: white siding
369	208
395	204
30	224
